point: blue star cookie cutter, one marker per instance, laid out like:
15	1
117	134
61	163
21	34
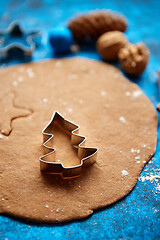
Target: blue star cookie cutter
16	37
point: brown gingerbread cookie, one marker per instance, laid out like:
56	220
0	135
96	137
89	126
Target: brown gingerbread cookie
113	114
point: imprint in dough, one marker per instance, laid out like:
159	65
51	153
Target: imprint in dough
114	115
9	112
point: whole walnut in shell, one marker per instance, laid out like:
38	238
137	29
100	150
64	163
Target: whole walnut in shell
109	44
134	58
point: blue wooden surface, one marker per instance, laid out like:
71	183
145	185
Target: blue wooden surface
137	216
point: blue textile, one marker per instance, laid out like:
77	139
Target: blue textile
137	216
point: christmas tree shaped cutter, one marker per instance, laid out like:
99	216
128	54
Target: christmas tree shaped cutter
87	155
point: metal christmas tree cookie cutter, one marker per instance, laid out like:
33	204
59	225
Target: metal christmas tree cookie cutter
87	155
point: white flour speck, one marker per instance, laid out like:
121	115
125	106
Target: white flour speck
46	206
45	100
122	119
70	110
15	84
136	93
1	136
80	101
30	72
127	93
124	173
138	162
58	63
158	187
57	209
20	79
103	93
135	151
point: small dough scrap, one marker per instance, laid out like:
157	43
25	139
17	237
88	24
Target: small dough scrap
112	113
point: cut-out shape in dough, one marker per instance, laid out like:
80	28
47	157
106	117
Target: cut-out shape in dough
121	123
9	112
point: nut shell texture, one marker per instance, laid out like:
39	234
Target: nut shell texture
134	58
109	44
92	25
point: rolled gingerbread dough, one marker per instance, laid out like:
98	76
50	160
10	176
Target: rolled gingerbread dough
114	115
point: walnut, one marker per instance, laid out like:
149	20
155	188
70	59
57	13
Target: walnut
94	24
109	44
134	58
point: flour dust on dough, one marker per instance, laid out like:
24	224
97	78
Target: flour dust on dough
114	115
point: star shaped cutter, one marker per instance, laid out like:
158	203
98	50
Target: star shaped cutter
87	155
16	37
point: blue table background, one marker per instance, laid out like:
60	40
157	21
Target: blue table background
137	216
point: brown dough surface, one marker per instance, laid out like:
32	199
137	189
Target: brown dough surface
113	114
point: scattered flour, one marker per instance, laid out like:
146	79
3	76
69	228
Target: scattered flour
45	100
20	79
127	93
158	187
15	84
80	101
58	63
124	173
70	110
103	93
30	73
150	178
122	119
136	93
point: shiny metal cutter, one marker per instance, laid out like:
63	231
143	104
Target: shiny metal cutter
15	37
87	155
